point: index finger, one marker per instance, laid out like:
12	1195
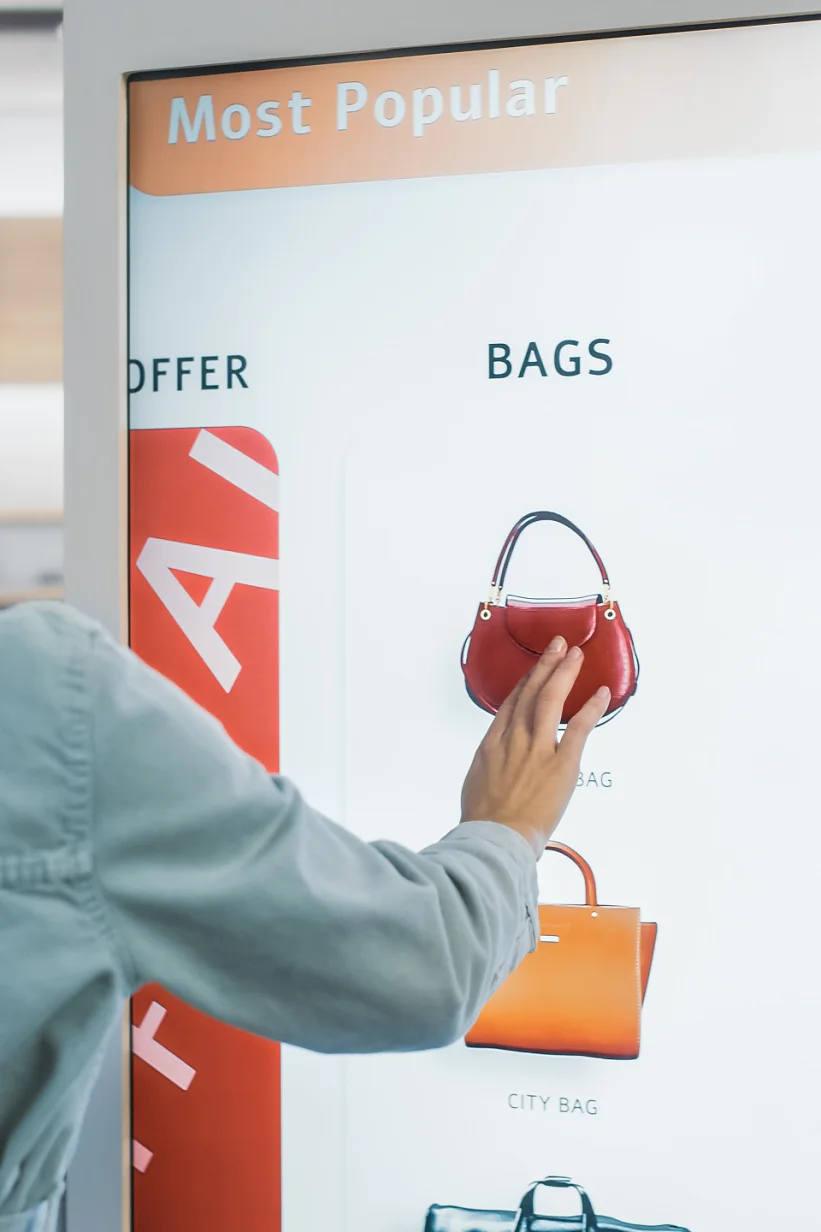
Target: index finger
512	708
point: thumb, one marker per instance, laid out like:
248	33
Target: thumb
571	745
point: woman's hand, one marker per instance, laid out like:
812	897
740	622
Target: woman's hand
522	775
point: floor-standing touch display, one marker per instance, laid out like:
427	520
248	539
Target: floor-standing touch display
558	297
205	611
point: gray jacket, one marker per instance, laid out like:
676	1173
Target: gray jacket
138	844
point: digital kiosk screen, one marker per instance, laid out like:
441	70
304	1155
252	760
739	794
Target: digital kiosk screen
387	315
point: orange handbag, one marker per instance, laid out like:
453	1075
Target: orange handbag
581	992
204	611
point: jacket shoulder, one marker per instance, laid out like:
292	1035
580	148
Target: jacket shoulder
43	629
45	722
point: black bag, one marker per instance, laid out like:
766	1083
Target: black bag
460	1219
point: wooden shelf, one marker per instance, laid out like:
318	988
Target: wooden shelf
31	517
10	597
31	309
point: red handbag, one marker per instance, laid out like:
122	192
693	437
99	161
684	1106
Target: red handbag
510	633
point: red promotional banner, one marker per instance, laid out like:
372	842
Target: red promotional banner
204	610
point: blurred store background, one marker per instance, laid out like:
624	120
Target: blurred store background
31	396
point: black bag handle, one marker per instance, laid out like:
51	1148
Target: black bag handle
526	1211
530	519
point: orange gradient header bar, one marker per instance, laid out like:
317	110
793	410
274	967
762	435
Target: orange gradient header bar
698	94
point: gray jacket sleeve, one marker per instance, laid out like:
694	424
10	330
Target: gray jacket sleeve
222	884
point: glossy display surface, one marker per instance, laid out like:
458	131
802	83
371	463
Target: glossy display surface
447	289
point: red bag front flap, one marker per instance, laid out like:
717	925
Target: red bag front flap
533	623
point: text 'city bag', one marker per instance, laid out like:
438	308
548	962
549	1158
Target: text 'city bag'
581	992
525	1219
511	632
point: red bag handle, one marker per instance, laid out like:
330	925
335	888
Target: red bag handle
587	872
530	519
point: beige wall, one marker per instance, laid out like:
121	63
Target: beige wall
31	301
31	202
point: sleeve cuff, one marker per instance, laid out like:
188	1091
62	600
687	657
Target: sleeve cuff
519	849
502	836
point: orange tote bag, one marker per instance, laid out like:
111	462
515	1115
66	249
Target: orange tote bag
581	992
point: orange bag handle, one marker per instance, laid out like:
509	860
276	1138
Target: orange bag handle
580	862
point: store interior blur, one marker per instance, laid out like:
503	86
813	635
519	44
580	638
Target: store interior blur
31	395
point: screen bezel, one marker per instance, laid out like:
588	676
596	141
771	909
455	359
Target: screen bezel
396	53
